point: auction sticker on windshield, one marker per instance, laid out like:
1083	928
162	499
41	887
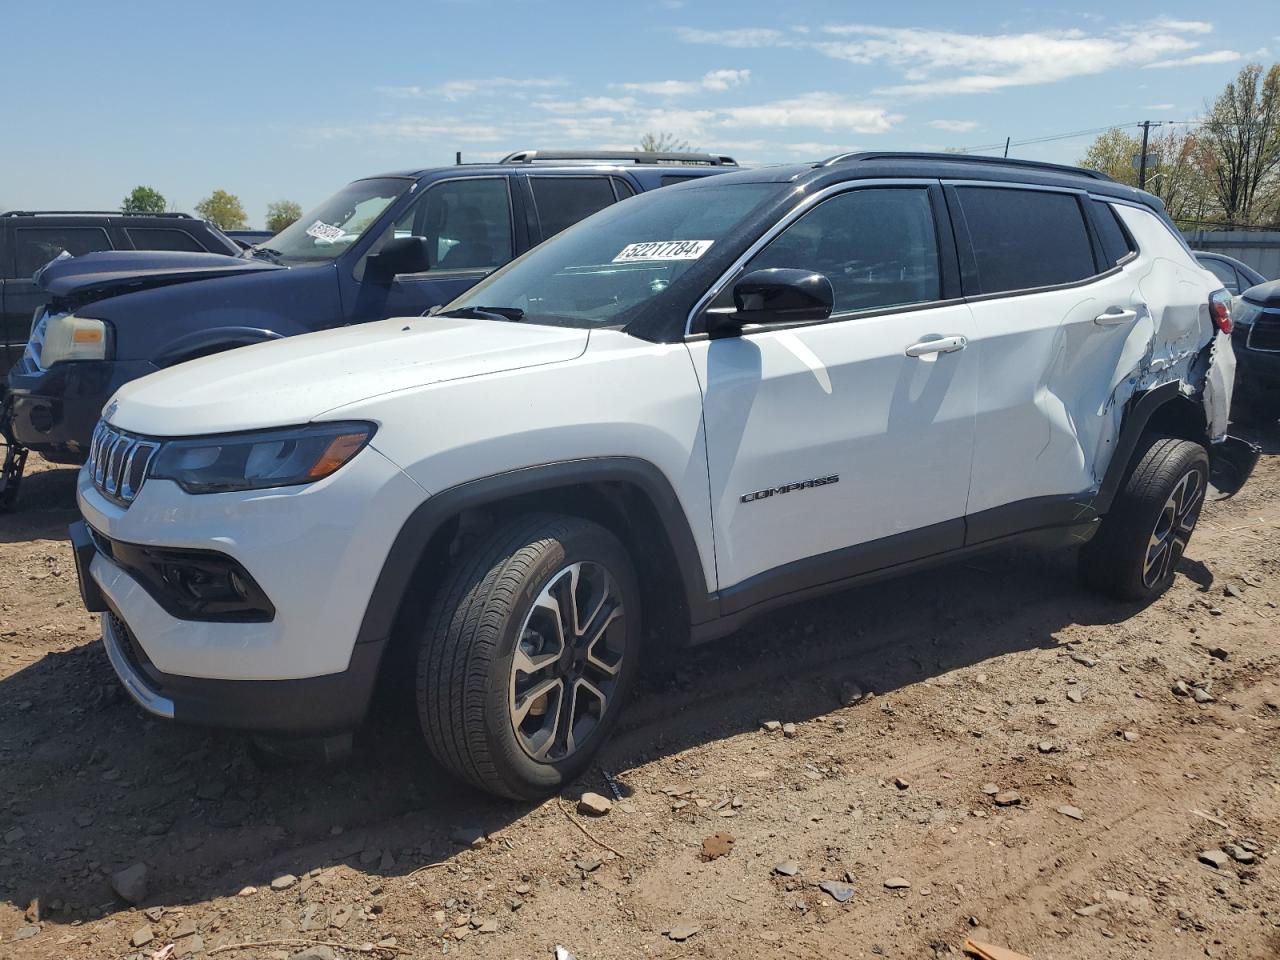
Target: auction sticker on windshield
663	250
323	231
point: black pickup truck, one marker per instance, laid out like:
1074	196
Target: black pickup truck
31	238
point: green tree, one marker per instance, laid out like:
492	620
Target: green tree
282	213
1240	143
144	200
1177	176
223	210
663	143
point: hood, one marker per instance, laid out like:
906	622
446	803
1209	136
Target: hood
97	275
297	379
1264	294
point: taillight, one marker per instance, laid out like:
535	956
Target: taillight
1220	310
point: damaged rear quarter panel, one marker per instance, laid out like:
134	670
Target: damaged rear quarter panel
1056	384
1164	346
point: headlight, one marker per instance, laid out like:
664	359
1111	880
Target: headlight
68	337
265	458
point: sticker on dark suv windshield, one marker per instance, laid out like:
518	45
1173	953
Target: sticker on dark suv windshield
322	231
663	250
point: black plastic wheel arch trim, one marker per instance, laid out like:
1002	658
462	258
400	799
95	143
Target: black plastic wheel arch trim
1138	412
411	543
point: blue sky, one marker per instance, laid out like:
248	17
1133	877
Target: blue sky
289	100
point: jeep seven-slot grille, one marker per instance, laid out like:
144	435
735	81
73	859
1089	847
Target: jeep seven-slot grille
118	462
1265	333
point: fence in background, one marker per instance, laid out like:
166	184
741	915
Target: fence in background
1260	249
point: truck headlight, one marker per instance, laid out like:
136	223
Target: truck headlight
68	337
261	459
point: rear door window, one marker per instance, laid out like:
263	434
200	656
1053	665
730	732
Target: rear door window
1024	239
36	246
161	238
563	201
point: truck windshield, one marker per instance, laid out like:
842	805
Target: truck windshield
330	229
623	257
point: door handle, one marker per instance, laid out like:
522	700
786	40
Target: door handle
1114	316
941	345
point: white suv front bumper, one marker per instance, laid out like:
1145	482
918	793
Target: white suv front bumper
316	551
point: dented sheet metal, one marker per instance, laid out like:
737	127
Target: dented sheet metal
1218	385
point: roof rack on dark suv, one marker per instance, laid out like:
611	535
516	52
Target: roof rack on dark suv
862	156
91	213
620	156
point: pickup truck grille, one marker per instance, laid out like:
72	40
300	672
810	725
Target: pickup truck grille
118	462
1264	335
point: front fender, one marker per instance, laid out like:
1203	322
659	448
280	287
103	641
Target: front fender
202	343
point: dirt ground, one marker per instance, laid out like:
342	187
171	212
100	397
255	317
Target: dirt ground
996	673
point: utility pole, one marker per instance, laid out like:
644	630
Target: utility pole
1006	146
1142	163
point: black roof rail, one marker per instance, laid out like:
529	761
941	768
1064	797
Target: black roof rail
90	213
966	158
621	156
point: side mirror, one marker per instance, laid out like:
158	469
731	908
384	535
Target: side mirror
776	295
398	255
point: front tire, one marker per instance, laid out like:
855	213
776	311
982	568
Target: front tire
1135	553
528	655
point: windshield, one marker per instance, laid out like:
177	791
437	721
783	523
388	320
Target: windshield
624	257
331	228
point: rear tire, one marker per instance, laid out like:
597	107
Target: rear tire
1135	553
528	655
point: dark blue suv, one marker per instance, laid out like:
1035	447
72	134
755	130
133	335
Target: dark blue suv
392	245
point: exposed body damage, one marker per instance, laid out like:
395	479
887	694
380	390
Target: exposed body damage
1167	342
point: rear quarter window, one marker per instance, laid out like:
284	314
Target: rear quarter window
1023	239
162	238
1116	243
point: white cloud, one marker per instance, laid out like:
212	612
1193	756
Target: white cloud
714	80
818	150
457	89
749	37
826	111
954	126
587	105
418	128
942	62
1182	26
1159	107
1217	56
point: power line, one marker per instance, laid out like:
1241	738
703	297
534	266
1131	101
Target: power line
1051	137
1005	144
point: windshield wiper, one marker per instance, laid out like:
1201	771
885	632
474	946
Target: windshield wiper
266	253
514	314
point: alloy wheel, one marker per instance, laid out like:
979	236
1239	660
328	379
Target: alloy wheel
1173	528
567	662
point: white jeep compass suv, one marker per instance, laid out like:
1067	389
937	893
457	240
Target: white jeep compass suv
691	407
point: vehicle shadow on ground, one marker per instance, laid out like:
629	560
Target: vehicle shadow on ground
46	504
92	785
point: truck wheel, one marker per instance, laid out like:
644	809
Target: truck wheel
1136	551
528	654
